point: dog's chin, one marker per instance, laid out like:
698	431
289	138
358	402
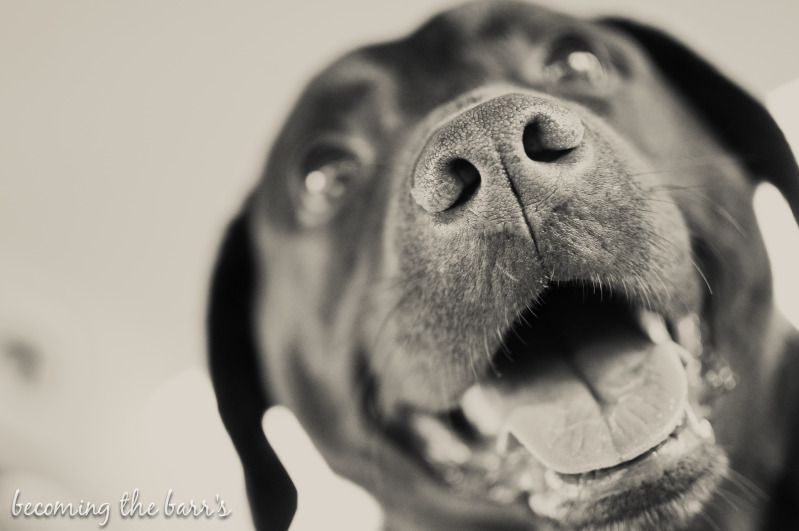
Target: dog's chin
663	465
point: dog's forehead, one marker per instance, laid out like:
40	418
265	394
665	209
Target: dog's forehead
463	46
484	21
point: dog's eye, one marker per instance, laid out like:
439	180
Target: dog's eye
572	60
327	175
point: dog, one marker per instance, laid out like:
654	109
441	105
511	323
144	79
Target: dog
507	274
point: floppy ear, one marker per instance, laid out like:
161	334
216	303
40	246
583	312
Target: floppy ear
741	122
236	376
747	129
784	510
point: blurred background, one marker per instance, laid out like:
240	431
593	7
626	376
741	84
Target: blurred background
129	133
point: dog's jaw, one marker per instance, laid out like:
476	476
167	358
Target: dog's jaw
678	471
670	481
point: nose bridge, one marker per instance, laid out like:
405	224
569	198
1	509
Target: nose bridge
497	123
503	118
494	141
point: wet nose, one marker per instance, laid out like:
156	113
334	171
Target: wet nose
524	138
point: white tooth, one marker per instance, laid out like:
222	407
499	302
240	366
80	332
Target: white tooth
723	378
553	504
690	339
441	444
689	335
690	414
705	430
654	326
544	505
686	358
502	494
700	426
479	412
525	481
553	479
487	460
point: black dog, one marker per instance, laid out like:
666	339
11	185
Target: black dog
507	274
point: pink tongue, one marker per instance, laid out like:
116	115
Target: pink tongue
608	402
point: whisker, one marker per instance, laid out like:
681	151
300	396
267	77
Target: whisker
747	485
707	518
488	355
715	205
701	274
727	497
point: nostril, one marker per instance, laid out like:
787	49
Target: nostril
534	146
468	175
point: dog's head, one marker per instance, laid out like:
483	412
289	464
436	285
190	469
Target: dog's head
505	271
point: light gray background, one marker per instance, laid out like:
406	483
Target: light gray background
129	132
131	129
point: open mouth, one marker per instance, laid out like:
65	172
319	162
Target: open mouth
591	398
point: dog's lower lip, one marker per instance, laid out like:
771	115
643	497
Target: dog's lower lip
460	446
567	493
699	427
443	448
516	479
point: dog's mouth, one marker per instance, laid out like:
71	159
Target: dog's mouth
595	411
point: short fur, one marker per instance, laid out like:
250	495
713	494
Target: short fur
350	320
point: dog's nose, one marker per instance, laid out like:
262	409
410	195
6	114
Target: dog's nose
515	136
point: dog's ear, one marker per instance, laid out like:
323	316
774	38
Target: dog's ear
747	129
784	510
739	120
236	376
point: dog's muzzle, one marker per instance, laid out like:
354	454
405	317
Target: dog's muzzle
596	386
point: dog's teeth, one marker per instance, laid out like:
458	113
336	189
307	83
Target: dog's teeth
549	504
691	416
526	481
705	430
502	494
453	476
552	479
479	412
488	461
689	335
721	377
654	326
700	426
441	444
686	358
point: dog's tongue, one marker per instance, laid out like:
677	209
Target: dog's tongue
613	397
